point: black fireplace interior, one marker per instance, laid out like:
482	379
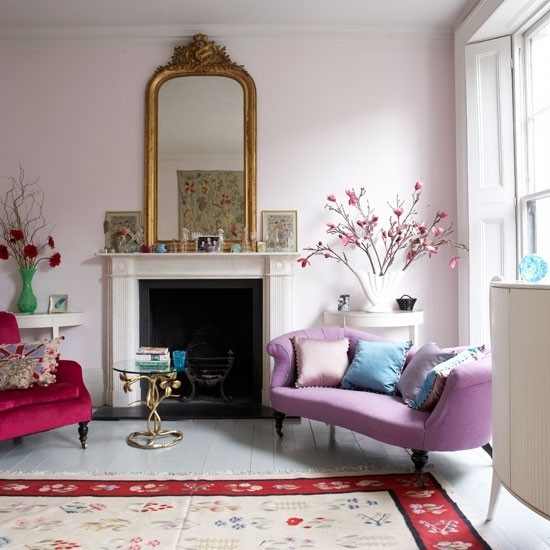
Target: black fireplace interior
174	311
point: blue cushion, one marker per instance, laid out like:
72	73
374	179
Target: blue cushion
414	374
431	390
376	366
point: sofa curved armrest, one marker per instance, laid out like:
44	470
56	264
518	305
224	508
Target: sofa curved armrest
464	410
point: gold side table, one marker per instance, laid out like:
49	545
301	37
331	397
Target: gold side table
160	385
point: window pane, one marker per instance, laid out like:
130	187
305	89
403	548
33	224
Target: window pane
538	227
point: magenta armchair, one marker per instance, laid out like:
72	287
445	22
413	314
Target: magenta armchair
41	408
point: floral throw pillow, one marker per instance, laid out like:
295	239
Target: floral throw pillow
16	374
45	351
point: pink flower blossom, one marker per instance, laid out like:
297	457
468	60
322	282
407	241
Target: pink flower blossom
353	200
347	239
403	241
453	262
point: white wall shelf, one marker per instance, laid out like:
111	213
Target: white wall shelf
367	319
53	321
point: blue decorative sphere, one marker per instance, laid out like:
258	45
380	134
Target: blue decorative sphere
532	268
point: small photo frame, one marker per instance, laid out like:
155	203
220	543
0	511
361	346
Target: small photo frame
208	243
58	303
280	230
114	220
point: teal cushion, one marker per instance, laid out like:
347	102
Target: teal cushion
376	366
431	390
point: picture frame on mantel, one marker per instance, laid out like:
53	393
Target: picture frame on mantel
115	219
280	230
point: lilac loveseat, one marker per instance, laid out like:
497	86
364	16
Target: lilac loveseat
460	420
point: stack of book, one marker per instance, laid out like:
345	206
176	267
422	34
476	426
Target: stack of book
153	357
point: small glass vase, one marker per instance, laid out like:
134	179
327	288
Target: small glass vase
27	300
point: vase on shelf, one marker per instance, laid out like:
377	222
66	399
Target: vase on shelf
27	300
379	289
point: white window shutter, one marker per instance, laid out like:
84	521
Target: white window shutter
491	177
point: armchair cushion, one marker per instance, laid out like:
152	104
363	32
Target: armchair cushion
45	351
320	362
39	395
376	366
16	373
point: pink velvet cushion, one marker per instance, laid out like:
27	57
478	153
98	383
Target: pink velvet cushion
37	395
16	373
46	351
320	362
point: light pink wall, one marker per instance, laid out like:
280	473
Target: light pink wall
330	117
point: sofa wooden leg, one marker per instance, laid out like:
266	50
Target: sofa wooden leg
83	434
419	458
279	417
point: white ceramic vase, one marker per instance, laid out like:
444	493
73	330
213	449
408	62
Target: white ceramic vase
379	289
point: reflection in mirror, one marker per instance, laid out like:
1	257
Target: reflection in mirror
200	147
200	144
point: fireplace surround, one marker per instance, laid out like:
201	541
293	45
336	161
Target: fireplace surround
125	271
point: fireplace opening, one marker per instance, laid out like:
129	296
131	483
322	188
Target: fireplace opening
177	313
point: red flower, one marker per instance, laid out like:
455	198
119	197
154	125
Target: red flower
55	259
418	185
16	235
30	251
51	243
331	198
4	254
294	521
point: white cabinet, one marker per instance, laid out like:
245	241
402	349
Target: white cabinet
520	342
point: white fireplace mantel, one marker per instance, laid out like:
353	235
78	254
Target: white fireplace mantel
126	270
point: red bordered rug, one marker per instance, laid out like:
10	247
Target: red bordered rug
340	511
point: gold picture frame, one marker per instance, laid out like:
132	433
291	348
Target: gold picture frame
280	230
58	303
114	220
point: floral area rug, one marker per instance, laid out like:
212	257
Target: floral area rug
340	511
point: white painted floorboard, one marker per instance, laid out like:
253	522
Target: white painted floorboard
252	446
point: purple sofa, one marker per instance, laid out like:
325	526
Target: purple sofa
41	408
460	420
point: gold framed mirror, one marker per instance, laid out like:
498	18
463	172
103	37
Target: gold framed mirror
200	143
